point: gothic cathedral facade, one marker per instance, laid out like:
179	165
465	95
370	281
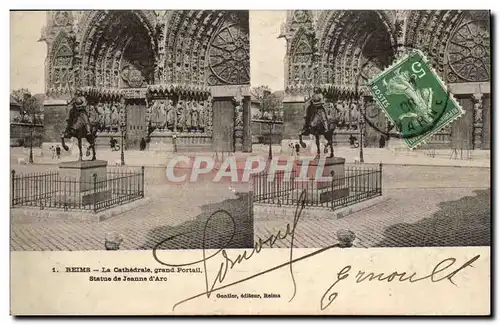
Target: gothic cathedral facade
161	75
338	51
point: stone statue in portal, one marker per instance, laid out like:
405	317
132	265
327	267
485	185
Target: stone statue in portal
107	114
170	114
115	115
188	114
162	115
195	116
181	116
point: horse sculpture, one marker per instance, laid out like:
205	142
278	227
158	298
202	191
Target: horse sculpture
318	124
79	126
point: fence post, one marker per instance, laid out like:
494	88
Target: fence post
252	193
380	177
94	178
332	174
13	173
142	179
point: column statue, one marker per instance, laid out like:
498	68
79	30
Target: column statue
170	119
188	115
148	112
478	110
154	114
207	116
100	111
238	121
478	120
181	117
162	115
201	116
93	115
107	115
115	115
340	113
195	116
122	107
354	116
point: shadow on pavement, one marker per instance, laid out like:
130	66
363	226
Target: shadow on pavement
464	222
231	229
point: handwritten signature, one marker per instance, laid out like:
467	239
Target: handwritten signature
229	263
328	297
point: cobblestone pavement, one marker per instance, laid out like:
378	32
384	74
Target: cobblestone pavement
173	211
415	214
409	218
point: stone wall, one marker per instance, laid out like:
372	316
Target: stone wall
20	134
260	132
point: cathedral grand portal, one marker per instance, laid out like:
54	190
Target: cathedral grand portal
339	51
156	73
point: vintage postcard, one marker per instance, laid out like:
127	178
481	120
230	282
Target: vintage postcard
246	162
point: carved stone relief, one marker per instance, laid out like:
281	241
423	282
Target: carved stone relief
61	18
61	71
478	120
137	63
188	116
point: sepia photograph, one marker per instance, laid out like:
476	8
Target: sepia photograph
126	92
163	132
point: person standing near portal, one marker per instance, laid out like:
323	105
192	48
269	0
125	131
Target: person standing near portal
381	141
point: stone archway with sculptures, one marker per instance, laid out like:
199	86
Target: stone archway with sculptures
160	75
338	54
339	51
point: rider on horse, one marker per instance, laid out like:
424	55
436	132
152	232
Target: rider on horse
79	109
317	123
315	105
78	126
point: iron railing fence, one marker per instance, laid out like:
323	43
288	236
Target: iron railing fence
48	190
287	188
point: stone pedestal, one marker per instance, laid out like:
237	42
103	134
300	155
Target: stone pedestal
77	182
323	179
322	167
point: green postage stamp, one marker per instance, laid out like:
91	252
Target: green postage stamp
414	98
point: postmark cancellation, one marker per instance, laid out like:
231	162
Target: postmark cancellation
414	98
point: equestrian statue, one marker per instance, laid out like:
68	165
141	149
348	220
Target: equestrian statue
317	123
78	125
